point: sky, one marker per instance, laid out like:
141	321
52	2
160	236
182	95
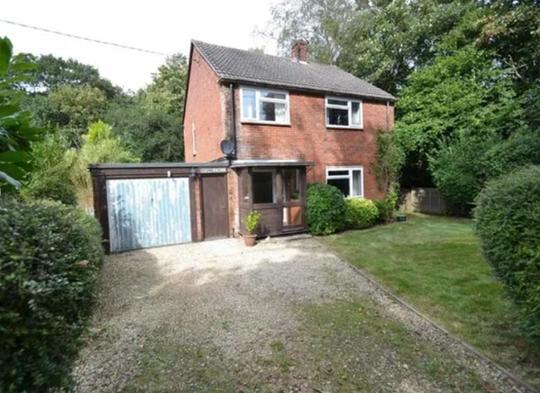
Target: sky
158	25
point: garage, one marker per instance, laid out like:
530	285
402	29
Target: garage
154	204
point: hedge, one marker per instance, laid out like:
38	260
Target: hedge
508	224
360	213
325	209
50	256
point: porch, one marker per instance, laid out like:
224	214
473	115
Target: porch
276	189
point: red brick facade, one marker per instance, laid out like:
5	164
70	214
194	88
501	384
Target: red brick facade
208	108
204	112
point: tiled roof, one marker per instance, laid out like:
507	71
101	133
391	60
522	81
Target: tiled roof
238	65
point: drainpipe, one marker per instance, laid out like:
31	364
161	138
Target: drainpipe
387	119
233	120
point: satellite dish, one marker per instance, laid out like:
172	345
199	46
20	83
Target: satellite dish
227	147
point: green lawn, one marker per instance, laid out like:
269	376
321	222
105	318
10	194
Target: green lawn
435	264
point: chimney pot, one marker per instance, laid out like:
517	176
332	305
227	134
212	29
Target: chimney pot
299	50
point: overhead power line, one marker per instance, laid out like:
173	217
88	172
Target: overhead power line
78	37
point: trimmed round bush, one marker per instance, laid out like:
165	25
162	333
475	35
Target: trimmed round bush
325	209
360	213
50	256
508	223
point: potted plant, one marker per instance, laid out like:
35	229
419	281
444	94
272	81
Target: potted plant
251	222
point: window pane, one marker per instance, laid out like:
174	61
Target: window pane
341	184
263	187
248	101
357	183
355	113
292	215
337	102
291	185
338	117
338	173
272	94
271	111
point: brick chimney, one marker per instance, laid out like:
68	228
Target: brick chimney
299	50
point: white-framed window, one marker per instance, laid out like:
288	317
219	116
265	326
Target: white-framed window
348	179
343	113
264	105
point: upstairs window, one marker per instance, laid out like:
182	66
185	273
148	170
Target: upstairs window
264	106
349	180
343	113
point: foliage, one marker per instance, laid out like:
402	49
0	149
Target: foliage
150	132
457	173
16	132
50	256
50	178
386	207
53	72
508	224
381	41
460	169
99	146
388	160
69	110
460	96
252	221
322	22
168	87
325	209
360	213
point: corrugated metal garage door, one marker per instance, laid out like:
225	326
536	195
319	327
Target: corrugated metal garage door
148	212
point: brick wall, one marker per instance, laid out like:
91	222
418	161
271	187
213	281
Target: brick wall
307	138
204	111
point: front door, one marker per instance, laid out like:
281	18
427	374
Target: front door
292	199
215	207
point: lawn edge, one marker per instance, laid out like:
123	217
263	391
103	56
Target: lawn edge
524	386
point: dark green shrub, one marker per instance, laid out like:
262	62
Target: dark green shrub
508	223
54	184
325	209
360	213
50	256
386	207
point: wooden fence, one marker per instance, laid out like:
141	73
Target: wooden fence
423	200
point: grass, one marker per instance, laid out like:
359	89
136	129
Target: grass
435	263
354	347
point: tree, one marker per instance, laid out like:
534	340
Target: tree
150	132
52	72
68	110
99	146
458	96
168	87
381	41
16	132
151	122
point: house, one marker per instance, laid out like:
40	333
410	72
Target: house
257	130
281	123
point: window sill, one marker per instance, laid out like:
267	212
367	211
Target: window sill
265	123
330	127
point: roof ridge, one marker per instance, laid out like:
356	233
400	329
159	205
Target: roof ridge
195	42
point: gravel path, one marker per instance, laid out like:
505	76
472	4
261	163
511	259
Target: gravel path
282	316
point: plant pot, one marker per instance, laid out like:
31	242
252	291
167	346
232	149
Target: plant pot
401	218
249	240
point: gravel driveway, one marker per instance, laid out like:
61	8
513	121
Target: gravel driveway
283	316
